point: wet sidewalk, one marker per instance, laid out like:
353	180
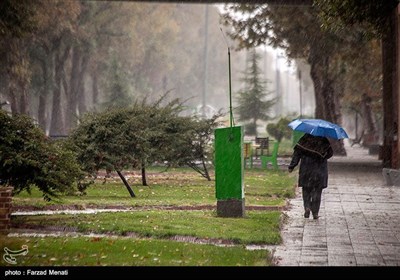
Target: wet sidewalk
359	222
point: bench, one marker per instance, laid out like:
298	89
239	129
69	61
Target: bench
262	144
273	158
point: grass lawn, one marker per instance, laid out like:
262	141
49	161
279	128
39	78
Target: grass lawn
258	227
95	251
177	187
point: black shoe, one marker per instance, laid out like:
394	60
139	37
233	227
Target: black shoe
315	216
307	213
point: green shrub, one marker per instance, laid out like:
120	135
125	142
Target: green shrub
28	157
280	129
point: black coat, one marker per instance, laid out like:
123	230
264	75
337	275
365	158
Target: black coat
313	154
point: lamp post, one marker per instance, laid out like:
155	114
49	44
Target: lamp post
205	53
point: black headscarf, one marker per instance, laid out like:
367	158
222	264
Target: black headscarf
314	146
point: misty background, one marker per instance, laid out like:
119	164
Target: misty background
90	55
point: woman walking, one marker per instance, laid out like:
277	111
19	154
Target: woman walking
313	153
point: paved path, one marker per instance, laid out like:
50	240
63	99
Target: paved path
359	223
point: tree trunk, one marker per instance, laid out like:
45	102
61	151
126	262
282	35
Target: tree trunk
331	109
332	113
76	93
126	184
18	75
57	121
144	181
327	105
23	77
13	102
42	118
82	108
206	174
42	114
24	98
95	89
389	98
317	81
57	126
12	77
255	127
72	92
42	108
370	136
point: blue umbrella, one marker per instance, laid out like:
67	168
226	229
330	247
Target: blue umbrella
318	127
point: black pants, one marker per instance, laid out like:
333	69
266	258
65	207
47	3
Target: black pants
312	199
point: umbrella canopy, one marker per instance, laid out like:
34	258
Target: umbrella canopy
318	127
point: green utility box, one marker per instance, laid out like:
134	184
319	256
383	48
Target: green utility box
229	164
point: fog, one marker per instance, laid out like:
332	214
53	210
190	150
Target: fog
85	56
